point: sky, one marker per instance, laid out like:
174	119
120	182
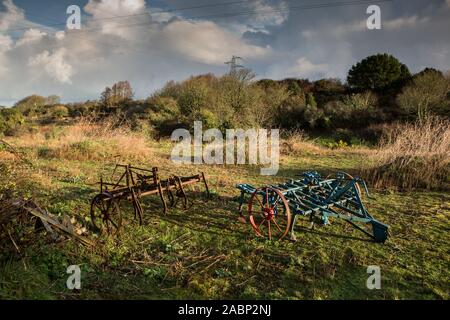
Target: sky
151	42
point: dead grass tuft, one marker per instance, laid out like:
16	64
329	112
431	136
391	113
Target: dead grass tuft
88	139
413	156
296	143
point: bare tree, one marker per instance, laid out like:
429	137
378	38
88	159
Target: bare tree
119	93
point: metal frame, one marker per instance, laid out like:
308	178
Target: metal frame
135	183
319	199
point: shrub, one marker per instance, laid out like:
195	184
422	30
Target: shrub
426	94
353	111
161	110
414	156
11	121
59	111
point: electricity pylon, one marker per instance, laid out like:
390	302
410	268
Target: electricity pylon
234	66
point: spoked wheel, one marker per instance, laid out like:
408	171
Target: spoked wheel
105	213
348	177
269	213
179	195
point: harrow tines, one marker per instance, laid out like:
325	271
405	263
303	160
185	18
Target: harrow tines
133	184
312	196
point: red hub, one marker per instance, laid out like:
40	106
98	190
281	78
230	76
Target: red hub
269	213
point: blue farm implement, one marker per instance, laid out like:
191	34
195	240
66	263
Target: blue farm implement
273	210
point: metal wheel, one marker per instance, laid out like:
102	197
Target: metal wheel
349	177
105	213
269	213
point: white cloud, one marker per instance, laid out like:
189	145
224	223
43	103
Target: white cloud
343	30
103	11
336	30
167	46
5	43
54	64
261	16
31	35
60	35
298	68
206	42
305	68
159	15
109	8
267	15
11	16
404	22
162	49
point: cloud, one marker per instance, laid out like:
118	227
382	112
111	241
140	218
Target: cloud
360	26
5	43
151	49
104	11
54	64
404	22
79	64
11	16
267	15
299	68
336	30
304	67
31	35
109	8
207	42
60	35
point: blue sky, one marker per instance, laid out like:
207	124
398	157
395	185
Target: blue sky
276	38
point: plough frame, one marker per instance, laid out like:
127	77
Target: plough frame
313	197
135	183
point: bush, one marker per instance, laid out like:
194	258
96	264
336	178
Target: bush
353	111
11	121
427	94
59	112
414	156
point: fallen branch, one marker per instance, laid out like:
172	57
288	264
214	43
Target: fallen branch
13	150
19	208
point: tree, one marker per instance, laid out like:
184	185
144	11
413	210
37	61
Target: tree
429	70
30	104
119	93
377	72
53	100
427	92
122	91
59	111
312	114
106	97
10	120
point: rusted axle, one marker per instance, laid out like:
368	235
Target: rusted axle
133	184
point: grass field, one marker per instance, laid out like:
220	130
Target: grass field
205	252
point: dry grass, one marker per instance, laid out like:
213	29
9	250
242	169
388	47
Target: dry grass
414	156
297	143
88	139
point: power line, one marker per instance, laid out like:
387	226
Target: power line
79	33
147	13
235	14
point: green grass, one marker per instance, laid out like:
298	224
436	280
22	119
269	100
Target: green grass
206	253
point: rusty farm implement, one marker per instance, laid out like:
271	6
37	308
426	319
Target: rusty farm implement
273	210
133	184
